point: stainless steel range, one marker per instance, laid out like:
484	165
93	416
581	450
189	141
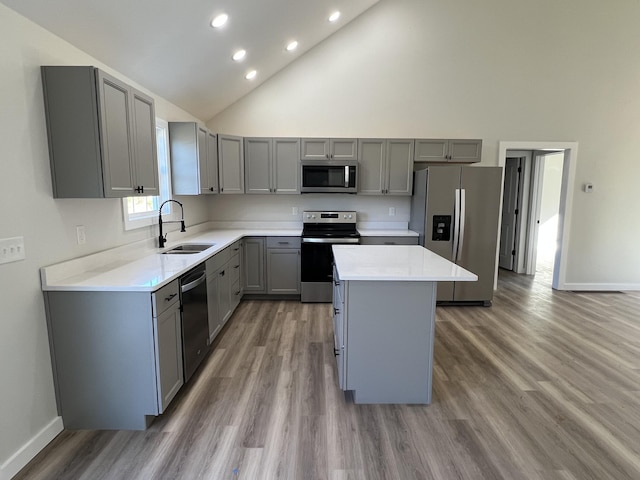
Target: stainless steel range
320	231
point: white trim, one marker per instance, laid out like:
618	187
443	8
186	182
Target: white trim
566	200
29	450
602	287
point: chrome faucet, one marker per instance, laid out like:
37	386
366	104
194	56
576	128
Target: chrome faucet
163	238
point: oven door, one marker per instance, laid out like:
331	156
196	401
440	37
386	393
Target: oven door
316	270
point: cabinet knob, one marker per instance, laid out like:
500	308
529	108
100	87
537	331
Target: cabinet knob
336	311
211	189
336	351
221	273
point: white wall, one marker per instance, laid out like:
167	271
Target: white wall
27	402
469	69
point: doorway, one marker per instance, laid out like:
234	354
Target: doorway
527	220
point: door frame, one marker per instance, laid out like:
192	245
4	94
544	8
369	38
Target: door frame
566	200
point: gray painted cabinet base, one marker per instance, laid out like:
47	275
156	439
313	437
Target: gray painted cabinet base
103	348
388	330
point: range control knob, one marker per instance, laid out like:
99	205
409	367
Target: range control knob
350	216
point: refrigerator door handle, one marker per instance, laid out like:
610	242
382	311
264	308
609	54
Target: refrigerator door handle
456	227
463	208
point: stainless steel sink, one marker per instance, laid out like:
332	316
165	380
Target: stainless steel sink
188	248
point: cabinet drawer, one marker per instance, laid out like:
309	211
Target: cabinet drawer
389	241
164	298
283	242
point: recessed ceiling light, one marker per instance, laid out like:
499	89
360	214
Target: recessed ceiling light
334	16
220	20
251	75
292	46
239	55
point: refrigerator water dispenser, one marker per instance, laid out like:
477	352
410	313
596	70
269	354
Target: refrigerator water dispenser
441	228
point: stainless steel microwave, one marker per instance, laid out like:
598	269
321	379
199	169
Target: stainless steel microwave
329	176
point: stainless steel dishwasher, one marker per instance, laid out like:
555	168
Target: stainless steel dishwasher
195	322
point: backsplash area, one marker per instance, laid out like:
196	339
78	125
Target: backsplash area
280	208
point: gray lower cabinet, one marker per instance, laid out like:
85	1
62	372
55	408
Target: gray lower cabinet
443	150
283	265
383	333
254	265
389	240
385	166
231	164
272	165
117	356
101	132
194	159
224	286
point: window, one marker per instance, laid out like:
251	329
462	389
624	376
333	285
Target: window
143	211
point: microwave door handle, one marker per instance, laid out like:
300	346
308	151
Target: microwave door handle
346	176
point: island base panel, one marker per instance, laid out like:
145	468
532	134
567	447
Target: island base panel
390	330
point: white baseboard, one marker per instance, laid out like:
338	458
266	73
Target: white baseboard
30	449
601	287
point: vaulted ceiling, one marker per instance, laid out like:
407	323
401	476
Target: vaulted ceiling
169	46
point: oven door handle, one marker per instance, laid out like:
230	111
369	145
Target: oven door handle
336	241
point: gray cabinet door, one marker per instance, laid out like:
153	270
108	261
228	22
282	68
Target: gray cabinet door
315	148
431	150
283	271
215	321
115	128
286	166
465	151
343	149
258	165
211	185
399	174
170	376
144	144
224	293
254	265
372	166
231	164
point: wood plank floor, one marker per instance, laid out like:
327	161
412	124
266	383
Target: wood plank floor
542	385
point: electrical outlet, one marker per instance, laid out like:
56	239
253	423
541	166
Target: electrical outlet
294	211
81	234
12	249
392	211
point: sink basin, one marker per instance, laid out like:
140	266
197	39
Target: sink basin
187	248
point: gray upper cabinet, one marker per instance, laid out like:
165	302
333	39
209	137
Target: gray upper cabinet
385	167
272	165
440	150
231	164
329	148
101	132
194	159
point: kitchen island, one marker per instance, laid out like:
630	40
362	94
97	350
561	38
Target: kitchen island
384	320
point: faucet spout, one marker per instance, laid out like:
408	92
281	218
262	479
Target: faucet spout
162	239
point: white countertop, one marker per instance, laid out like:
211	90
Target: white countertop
411	263
378	232
143	268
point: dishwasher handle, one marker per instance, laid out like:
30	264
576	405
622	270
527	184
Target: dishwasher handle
191	285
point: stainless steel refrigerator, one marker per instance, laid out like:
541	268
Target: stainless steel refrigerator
455	211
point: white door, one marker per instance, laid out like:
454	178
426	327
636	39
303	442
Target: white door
509	213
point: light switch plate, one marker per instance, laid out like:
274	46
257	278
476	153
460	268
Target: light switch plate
12	249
